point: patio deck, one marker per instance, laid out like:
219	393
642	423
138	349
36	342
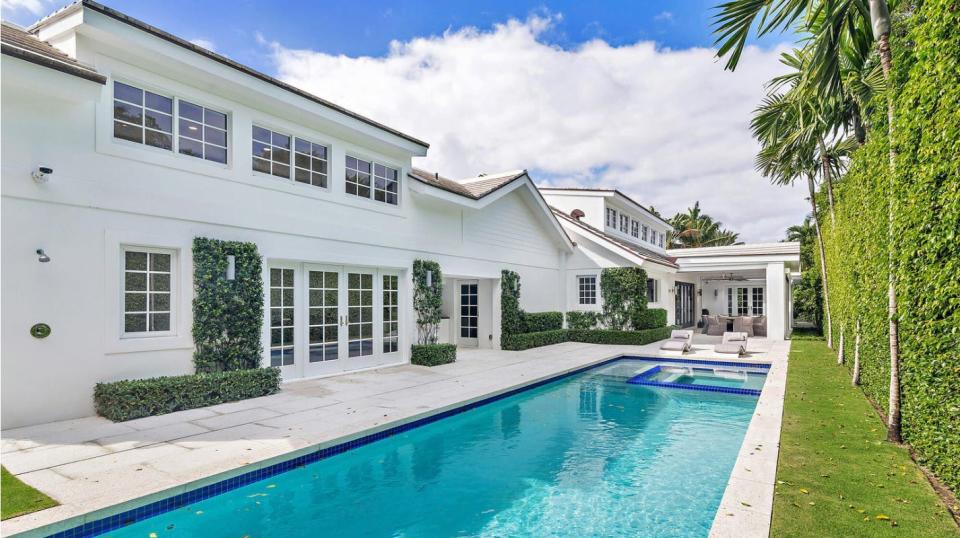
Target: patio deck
92	464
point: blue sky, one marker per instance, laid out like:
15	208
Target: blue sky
365	28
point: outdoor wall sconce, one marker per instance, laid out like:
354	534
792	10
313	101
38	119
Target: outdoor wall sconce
429	279
231	267
716	293
42	256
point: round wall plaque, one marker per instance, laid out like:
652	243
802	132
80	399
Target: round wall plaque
40	330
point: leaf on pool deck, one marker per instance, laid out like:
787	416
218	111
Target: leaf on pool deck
745	503
883	517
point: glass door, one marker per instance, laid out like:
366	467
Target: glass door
684	304
469	314
283	319
359	320
323	316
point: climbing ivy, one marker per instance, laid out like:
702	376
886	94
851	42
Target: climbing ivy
926	193
227	314
511	316
624	292
427	300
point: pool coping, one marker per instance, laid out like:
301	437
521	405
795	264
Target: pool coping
103	520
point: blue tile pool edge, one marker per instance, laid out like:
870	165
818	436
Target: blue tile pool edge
644	379
180	500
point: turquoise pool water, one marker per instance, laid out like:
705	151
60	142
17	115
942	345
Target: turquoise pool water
711	377
588	455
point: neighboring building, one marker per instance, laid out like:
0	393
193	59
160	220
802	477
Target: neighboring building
122	143
612	230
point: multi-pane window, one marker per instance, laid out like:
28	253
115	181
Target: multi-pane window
757	301
661	240
611	218
271	152
147	290
624	224
653	290
587	288
202	132
142	117
383	188
323	298
310	163
391	314
738	301
643	232
635	228
469	311
281	317
386	180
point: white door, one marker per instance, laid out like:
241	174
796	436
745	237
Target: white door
328	319
469	313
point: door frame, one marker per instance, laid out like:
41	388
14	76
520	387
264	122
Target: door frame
461	340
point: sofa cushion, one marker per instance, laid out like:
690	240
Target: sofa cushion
714	328
760	326
743	324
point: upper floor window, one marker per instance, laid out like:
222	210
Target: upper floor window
147	290
142	117
653	290
202	132
383	188
643	233
271	152
624	224
661	240
587	288
310	163
611	218
635	228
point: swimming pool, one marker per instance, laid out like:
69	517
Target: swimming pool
586	455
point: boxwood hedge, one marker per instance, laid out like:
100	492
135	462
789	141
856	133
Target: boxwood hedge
519	342
542	321
433	354
136	398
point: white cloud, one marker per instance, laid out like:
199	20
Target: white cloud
664	16
205	43
668	127
36	7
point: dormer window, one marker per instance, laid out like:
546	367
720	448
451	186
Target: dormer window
643	232
624	223
661	240
611	218
635	229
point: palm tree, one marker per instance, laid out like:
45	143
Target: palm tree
697	229
832	22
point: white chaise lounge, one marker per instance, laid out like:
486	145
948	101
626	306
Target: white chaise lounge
733	343
679	341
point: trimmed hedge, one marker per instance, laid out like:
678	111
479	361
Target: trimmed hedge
511	316
534	322
582	320
624	292
137	398
650	318
433	354
519	342
926	234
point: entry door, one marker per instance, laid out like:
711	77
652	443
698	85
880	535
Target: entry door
684	304
469	313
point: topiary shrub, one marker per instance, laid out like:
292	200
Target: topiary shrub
582	320
542	321
511	316
427	300
627	338
624	292
433	354
136	398
649	318
227	314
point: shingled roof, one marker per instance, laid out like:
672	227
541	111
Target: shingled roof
17	43
474	188
637	250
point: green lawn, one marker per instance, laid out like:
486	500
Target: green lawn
837	475
17	498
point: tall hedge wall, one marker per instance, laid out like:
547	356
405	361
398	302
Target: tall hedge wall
926	194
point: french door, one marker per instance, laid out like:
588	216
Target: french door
469	313
684	304
328	319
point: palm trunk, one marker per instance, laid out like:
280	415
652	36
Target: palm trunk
825	164
840	356
858	129
823	262
856	356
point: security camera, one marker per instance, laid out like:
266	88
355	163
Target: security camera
40	174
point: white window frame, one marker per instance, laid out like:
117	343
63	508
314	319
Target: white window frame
661	239
174	291
611	218
581	289
656	290
373	179
174	150
644	232
733	305
635	229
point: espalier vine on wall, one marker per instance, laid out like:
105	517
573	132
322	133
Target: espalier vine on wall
427	300
624	292
926	239
227	314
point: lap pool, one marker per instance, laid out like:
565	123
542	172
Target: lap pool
586	455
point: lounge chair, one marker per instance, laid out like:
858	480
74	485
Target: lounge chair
733	343
679	341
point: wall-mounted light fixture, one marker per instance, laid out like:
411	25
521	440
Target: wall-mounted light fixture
429	279
42	256
716	293
700	292
42	174
231	267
